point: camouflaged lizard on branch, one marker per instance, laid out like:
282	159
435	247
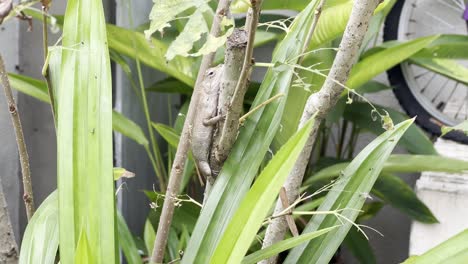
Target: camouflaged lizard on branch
205	120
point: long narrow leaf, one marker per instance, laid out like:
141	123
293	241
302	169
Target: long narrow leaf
401	163
415	140
41	238
257	203
38	90
397	193
358	244
29	86
347	195
283	245
383	60
253	141
446	67
126	242
85	182
128	128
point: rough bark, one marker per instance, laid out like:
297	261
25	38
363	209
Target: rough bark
28	197
239	61
182	149
230	111
320	104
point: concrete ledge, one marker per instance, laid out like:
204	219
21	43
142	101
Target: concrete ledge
447	197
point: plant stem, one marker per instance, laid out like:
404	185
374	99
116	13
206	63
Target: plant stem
28	196
238	68
155	156
45	44
353	140
320	104
159	167
339	148
184	143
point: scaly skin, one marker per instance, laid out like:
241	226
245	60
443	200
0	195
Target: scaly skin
205	119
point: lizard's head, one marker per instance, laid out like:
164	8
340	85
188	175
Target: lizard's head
212	77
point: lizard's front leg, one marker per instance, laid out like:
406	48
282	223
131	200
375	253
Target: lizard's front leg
213	121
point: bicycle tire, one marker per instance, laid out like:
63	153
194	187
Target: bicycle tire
402	90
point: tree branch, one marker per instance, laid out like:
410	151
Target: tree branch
23	152
320	103
182	149
238	65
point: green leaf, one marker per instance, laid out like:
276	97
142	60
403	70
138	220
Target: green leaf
149	235
398	194
381	61
332	23
193	30
168	133
298	96
347	194
134	45
453	250
463	127
446	47
283	245
164	11
148	51
369	210
414	140
445	67
41	238
241	6
401	163
257	203
213	43
126	242
170	85
375	25
372	87
29	86
38	90
128	128
358	244
252	144
83	254
122	173
84	138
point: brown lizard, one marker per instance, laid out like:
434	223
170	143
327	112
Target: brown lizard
205	120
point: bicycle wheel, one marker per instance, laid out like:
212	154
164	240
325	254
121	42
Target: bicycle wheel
435	99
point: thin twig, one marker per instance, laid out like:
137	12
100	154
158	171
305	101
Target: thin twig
45	44
238	55
184	143
244	117
23	152
318	12
251	27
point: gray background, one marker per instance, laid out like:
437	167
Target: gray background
22	52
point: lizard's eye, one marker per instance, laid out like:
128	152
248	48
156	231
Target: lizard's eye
211	73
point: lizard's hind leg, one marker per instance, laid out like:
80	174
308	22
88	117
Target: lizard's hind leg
205	169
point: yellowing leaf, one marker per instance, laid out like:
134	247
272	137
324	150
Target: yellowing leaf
213	43
122	173
165	11
192	32
463	127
